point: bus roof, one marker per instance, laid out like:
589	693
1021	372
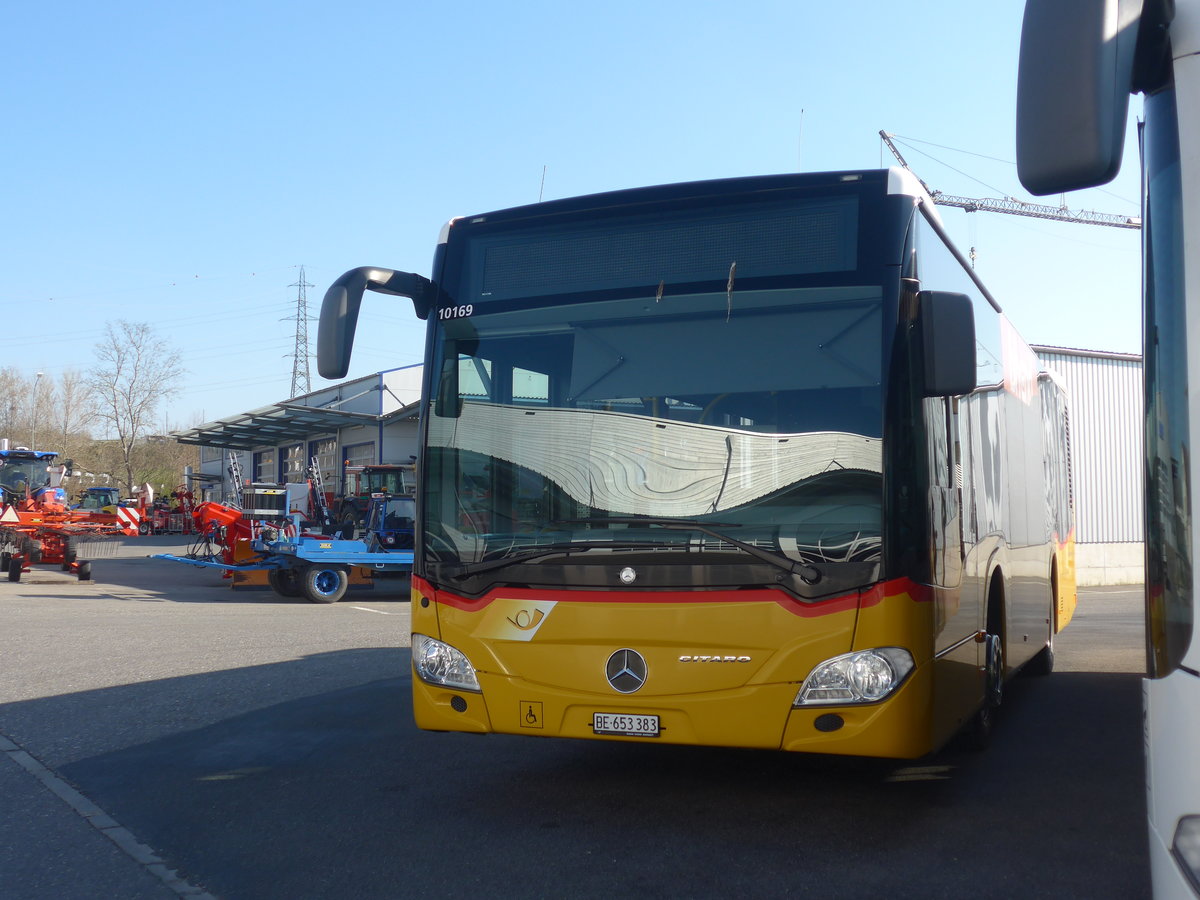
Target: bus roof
892	181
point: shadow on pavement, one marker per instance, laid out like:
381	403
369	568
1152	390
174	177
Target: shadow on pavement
337	794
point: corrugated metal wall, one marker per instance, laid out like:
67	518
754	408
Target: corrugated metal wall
1105	393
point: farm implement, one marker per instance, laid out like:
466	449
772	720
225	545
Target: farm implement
318	567
37	526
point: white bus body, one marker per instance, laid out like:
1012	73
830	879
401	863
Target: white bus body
1080	60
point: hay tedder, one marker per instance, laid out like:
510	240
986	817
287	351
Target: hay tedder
38	526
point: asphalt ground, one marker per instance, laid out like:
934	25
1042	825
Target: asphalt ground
150	648
168	736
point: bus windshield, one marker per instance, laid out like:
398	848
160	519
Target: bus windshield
757	413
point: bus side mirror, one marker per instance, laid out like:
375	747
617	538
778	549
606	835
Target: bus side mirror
1073	85
947	323
339	311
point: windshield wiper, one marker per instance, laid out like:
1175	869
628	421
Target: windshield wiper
808	574
535	552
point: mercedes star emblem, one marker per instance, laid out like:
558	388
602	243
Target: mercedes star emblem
626	671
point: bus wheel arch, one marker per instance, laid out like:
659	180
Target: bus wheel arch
1043	662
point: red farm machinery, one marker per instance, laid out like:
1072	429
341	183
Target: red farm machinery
37	525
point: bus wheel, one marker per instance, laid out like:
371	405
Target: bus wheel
325	584
994	670
285	582
979	732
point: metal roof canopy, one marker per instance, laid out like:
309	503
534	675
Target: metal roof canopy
279	424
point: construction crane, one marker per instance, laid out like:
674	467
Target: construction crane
1013	206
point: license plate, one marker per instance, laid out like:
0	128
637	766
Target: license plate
627	724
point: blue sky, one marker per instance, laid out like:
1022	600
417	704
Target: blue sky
176	165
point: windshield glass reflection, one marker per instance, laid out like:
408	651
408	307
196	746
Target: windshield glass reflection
759	411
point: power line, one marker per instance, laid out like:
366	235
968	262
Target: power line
901	138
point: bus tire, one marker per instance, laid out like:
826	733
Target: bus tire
978	733
979	730
285	582
325	584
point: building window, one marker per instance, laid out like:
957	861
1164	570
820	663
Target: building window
357	455
294	464
360	454
211	454
326	453
264	466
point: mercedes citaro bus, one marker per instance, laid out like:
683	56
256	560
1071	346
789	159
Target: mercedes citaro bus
755	462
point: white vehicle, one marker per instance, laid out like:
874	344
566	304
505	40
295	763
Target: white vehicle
1080	61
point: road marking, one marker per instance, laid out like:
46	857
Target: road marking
368	609
102	822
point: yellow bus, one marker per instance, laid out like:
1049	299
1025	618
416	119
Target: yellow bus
756	462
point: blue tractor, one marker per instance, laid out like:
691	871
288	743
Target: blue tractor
391	522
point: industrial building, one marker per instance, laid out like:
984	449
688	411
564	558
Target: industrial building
1106	403
364	421
373	420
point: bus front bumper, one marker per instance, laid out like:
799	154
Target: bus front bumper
754	716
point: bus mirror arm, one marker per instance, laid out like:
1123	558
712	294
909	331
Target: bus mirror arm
947	322
339	311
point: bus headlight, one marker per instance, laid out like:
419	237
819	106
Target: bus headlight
439	663
1186	848
866	676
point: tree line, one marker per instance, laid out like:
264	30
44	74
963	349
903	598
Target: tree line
105	418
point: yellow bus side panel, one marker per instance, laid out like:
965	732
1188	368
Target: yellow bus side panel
1067	588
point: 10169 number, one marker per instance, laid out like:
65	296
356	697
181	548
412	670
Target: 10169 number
456	312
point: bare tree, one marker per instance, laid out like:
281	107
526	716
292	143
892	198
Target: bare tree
71	415
13	424
135	371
